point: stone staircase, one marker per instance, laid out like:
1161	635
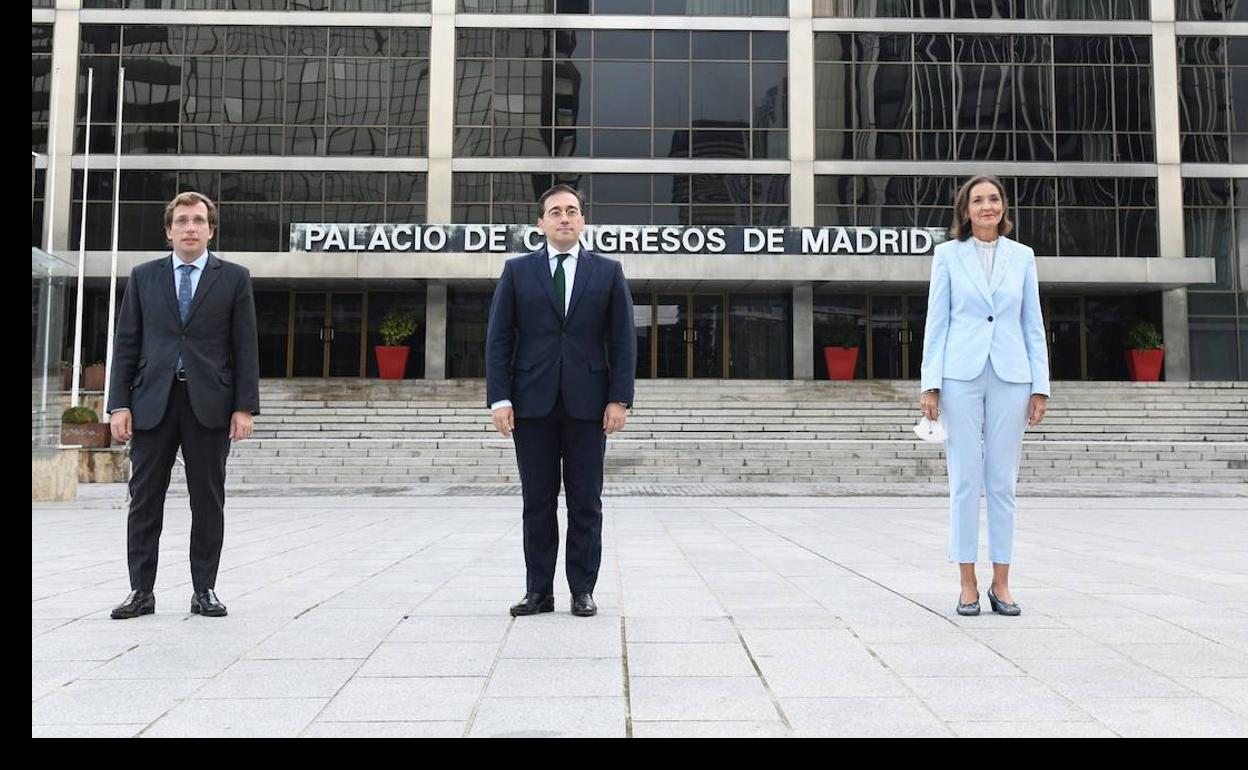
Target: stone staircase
366	432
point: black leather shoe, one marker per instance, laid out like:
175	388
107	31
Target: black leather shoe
1002	608
533	603
136	604
206	603
583	605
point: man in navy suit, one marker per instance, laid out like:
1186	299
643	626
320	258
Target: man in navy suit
561	356
185	374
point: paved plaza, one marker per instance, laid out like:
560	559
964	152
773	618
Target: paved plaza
386	615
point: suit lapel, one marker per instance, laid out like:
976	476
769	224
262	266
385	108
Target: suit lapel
970	263
541	270
212	273
168	288
584	273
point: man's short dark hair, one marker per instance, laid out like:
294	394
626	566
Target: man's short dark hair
559	188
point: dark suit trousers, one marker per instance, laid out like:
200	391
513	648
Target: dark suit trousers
545	447
152	454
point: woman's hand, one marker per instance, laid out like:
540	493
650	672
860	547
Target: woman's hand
1038	404
929	402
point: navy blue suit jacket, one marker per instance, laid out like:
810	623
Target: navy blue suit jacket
533	355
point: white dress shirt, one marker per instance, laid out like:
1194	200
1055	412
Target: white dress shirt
987	255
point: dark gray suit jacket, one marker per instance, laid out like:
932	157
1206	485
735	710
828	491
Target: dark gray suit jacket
218	345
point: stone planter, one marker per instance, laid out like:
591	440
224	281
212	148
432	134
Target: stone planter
91	435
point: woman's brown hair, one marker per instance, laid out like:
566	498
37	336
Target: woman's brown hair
961	227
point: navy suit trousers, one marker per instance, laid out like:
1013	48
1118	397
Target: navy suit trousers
547	449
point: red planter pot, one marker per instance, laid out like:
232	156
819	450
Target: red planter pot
1144	365
392	361
93	377
841	362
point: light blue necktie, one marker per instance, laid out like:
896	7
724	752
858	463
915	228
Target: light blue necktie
184	291
184	297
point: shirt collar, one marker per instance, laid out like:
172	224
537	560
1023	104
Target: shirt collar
573	253
200	263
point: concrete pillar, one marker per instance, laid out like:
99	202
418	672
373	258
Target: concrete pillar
1169	185
1174	331
441	110
801	114
804	331
56	212
435	331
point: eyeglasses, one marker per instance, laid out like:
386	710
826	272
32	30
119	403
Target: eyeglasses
556	212
184	222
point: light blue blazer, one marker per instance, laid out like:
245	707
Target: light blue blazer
970	321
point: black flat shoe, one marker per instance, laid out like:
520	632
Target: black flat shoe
970	608
1002	608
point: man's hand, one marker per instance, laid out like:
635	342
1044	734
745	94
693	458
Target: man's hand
504	419
240	426
122	425
613	418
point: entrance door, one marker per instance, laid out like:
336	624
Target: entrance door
1064	318
327	335
706	336
897	336
689	336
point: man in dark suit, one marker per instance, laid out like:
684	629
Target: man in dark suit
561	356
185	374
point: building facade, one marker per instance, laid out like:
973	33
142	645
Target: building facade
1120	128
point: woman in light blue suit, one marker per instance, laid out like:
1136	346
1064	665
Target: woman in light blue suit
986	373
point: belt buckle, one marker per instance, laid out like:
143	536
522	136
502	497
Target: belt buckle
180	375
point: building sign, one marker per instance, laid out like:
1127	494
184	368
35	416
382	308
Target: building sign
615	239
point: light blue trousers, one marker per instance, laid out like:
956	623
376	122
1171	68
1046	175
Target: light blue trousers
985	419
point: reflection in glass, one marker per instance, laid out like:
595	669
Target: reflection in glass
761	337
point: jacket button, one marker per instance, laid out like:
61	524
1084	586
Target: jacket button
989	319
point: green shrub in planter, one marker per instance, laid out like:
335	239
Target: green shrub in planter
79	415
397	326
840	334
1145	352
81	426
1143	336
